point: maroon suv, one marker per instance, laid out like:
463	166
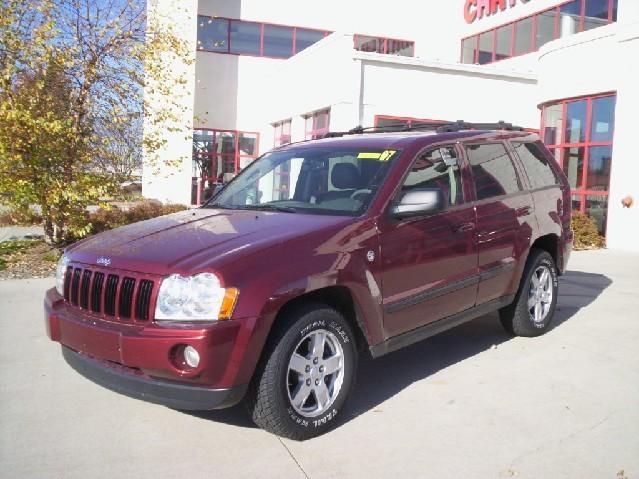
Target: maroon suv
316	253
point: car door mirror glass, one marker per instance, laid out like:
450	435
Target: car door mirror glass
420	202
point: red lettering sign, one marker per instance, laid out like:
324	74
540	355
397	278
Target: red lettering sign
476	9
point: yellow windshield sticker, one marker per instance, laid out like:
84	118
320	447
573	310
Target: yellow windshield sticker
386	155
369	156
383	156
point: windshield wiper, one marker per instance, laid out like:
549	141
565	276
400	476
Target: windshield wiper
270	206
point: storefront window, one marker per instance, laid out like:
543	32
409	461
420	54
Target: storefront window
531	33
585	151
217	156
575	131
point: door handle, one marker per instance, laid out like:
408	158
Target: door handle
464	227
523	211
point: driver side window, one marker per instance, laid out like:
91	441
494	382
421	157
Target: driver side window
437	168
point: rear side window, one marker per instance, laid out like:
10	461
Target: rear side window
537	166
493	171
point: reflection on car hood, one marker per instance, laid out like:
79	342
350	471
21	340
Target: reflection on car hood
197	239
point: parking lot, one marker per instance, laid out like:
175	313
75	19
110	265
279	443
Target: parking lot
471	402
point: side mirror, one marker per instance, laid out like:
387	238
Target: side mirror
420	202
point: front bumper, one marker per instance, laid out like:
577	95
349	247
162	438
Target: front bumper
140	360
126	381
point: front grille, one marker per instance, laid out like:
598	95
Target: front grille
108	294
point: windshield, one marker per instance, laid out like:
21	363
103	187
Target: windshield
309	180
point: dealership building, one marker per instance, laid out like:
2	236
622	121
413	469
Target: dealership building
268	73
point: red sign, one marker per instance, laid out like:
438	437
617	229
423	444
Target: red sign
476	9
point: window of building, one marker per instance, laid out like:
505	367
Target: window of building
538	168
278	41
245	38
213	34
305	37
388	46
486	41
580	132
531	33
523	36
217	156
493	171
240	37
430	171
282	131
317	124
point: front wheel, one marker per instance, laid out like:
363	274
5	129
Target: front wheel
306	375
534	305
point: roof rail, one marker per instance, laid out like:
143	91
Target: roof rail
440	127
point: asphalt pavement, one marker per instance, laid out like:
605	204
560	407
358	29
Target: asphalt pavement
469	403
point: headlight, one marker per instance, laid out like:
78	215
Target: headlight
194	298
59	274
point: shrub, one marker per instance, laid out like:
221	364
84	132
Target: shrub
105	219
586	233
20	217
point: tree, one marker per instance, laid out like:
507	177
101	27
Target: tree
72	81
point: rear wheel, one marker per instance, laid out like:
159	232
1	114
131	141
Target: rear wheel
306	374
534	305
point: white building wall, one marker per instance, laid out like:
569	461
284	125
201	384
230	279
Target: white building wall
166	173
439	91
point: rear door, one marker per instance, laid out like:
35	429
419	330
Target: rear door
429	263
505	219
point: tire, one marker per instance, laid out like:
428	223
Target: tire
518	318
291	370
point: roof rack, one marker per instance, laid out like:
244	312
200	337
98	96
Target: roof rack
440	127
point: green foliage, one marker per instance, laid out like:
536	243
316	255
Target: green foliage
108	218
72	77
586	233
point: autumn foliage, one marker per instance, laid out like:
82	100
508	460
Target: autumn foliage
72	77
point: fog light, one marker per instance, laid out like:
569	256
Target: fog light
191	356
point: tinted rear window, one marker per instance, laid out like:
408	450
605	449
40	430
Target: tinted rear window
537	166
493	171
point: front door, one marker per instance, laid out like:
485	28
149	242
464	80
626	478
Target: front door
429	263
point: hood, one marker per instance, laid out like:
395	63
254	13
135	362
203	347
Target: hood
195	240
